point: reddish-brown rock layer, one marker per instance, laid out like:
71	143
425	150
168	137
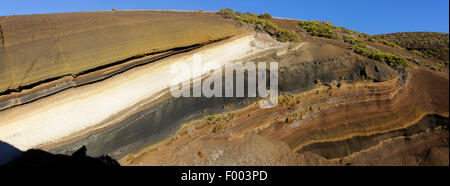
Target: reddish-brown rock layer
324	114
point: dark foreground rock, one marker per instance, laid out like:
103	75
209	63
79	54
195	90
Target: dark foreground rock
40	158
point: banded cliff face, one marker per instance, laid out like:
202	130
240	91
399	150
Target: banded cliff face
83	109
359	114
316	127
46	52
112	95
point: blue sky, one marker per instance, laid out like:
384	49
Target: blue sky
369	16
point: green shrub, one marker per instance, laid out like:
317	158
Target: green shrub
416	52
379	40
430	44
392	44
227	13
320	29
391	59
352	40
328	30
360	49
364	35
265	16
210	119
286	35
261	23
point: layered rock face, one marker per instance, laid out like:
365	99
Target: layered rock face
361	112
43	48
101	80
86	108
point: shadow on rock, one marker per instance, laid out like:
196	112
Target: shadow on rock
13	157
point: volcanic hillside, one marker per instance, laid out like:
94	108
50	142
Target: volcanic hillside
427	44
101	80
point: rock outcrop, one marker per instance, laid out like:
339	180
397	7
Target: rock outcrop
52	49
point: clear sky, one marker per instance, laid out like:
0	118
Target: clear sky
368	16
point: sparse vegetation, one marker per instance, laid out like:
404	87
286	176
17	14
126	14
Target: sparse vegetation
320	29
260	23
229	117
391	44
227	13
328	30
288	119
293	117
210	119
352	40
201	154
391	59
380	40
426	44
289	99
265	16
311	108
231	105
220	122
286	35
219	127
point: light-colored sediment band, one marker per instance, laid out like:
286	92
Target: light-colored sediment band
67	113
